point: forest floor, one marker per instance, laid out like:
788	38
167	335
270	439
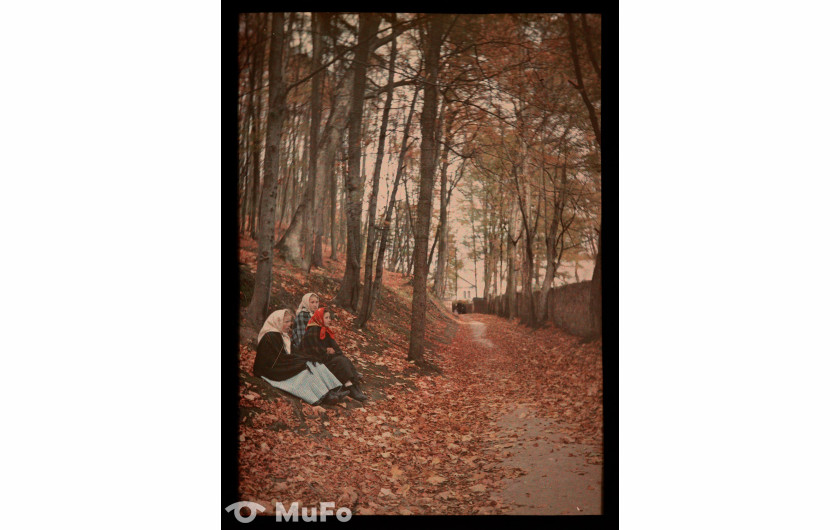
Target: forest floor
504	419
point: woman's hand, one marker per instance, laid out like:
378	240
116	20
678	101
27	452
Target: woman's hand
330	350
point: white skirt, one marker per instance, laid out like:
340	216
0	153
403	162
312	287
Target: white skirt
309	386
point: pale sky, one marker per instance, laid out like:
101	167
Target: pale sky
460	228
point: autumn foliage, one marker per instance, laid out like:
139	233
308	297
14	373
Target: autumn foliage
427	442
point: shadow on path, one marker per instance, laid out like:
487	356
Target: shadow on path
558	480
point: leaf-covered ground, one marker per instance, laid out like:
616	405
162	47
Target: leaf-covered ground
428	441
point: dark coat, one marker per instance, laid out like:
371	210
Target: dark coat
314	348
274	362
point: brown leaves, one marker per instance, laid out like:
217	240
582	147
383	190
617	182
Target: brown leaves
426	443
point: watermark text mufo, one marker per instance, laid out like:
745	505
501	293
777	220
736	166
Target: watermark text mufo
294	513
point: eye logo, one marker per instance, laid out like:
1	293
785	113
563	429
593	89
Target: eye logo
254	507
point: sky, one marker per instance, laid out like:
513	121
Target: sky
459	227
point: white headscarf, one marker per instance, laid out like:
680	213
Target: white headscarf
304	303
274	323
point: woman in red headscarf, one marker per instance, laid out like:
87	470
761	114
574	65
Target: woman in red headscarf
319	345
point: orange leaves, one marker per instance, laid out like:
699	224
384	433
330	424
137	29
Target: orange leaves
427	442
396	472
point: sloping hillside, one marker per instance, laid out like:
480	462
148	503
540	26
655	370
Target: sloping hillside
379	351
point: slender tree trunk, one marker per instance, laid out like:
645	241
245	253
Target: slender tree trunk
256	138
527	316
417	336
556	235
392	262
595	290
291	173
342	217
246	124
366	308
550	272
334	199
258	308
593	118
488	269
595	307
334	142
367	311
589	48
319	24
444	206
296	245
407	250
243	209
511	272
348	293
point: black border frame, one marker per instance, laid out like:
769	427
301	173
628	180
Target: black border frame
609	246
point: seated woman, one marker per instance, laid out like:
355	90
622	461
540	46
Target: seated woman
308	305
276	363
319	345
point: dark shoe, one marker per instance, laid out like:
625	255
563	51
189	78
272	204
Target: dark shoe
357	394
340	392
328	399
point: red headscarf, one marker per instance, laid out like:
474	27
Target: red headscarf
318	320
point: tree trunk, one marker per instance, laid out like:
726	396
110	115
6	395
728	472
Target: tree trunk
511	276
296	244
341	241
338	125
258	308
256	138
333	201
488	268
550	271
595	307
365	311
595	290
444	205
417	335
348	293
593	118
368	306
392	262
312	217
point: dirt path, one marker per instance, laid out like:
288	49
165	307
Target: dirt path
558	479
478	329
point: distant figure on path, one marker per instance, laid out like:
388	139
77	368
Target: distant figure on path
277	363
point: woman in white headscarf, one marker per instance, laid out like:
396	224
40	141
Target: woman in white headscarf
307	307
282	368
